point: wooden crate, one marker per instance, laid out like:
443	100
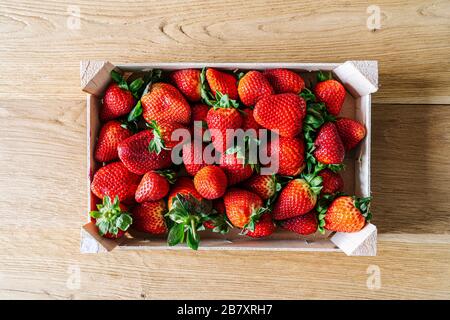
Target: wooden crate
360	79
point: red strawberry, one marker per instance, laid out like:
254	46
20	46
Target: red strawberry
193	157
117	102
332	93
113	180
234	168
188	82
248	121
351	132
154	186
149	217
252	87
328	145
285	81
112	219
347	214
332	182
211	182
166	104
304	224
223	82
111	134
290	153
263	186
135	155
220	120
297	198
264	227
184	186
283	112
240	205
199	113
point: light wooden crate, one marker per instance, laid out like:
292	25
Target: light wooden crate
360	79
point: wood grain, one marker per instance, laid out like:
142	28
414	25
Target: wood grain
412	45
43	145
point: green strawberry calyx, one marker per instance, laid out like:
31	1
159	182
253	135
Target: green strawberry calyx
314	181
157	144
133	87
187	216
321	209
324	76
219	100
109	218
169	174
255	216
221	223
363	205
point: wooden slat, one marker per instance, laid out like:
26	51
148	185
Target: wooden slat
42	183
412	45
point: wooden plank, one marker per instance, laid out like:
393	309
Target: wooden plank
412	45
42	184
45	265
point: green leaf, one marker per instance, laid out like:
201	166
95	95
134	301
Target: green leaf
95	214
323	77
117	77
103	226
192	239
124	221
136	85
307	95
176	235
136	112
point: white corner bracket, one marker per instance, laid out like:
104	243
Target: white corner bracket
361	243
359	77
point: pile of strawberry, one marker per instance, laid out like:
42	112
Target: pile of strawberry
139	186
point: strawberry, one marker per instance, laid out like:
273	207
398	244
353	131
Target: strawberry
264	186
235	168
117	102
290	153
351	132
193	157
112	219
285	81
328	145
252	87
149	217
248	121
199	113
154	185
183	186
330	92
264	227
298	197
210	182
165	103
240	205
222	82
135	155
283	112
111	134
162	135
188	82
113	180
304	224
220	120
346	214
332	182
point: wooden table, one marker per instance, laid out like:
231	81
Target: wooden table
43	148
